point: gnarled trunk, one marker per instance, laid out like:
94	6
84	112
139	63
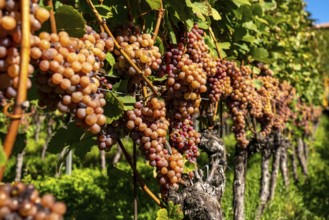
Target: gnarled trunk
240	166
301	156
201	197
275	164
284	163
265	178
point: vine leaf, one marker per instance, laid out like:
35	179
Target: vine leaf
128	102
120	86
65	136
214	13
172	212
67	19
84	146
70	20
3	158
257	84
110	58
114	108
154	4
241	2
104	11
259	54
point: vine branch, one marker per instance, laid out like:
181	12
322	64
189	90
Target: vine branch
139	178
122	51
52	17
22	84
157	26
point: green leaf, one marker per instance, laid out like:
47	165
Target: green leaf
259	54
257	83
154	4
128	102
84	146
65	136
224	45
189	167
198	8
162	214
240	33
70	20
121	86
214	13
114	108
241	2
110	58
104	11
159	43
3	158
257	10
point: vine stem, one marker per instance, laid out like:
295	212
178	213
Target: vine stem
122	51
157	26
22	84
216	43
139	178
52	17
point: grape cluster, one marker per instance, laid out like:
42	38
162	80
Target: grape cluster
140	49
219	83
67	77
10	40
185	84
267	93
20	201
109	135
283	98
149	127
185	138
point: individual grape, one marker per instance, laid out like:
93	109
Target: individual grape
8	23
42	14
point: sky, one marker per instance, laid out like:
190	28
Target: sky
319	10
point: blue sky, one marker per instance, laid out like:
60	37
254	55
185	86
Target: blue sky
319	10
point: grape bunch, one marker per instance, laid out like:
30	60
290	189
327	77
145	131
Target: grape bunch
267	93
219	83
241	100
20	201
140	49
109	135
10	40
149	127
185	138
283	98
67	77
185	84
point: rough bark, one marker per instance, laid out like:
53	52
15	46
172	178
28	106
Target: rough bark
19	166
301	156
294	164
275	165
200	198
284	162
305	150
240	166
117	156
265	178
